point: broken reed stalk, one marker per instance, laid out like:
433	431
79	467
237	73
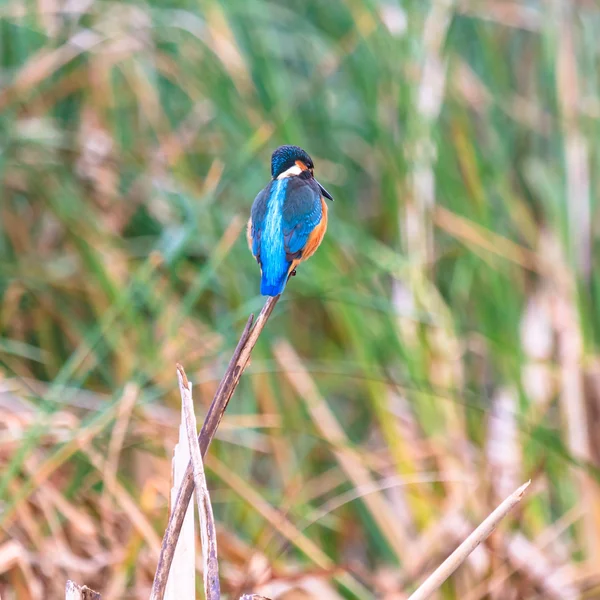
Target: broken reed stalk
228	384
208	532
79	592
435	580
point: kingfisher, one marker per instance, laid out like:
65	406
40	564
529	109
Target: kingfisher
288	218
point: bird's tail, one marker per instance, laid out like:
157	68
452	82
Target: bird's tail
273	286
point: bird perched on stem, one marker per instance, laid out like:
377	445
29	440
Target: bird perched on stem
288	218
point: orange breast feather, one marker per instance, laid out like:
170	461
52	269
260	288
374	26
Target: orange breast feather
316	236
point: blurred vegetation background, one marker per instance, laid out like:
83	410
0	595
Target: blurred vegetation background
441	348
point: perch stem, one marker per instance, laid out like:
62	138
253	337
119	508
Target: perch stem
226	388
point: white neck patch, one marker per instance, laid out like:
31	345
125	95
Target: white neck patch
295	170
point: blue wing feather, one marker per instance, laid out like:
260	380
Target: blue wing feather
302	212
258	214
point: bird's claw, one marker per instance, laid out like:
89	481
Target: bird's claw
293	273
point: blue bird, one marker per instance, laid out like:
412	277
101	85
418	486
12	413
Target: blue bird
288	218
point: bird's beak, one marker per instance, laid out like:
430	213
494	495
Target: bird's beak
324	192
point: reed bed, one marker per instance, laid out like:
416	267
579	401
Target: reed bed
441	348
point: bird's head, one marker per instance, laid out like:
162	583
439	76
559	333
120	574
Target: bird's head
290	161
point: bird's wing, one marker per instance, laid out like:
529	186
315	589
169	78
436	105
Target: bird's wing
302	212
257	219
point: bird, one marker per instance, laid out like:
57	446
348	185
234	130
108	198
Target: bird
288	218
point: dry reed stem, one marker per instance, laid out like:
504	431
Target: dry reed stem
14	556
475	235
181	582
79	592
208	533
278	521
123	499
417	225
228	384
435	580
349	459
124	411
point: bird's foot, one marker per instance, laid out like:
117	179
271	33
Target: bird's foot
293	273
